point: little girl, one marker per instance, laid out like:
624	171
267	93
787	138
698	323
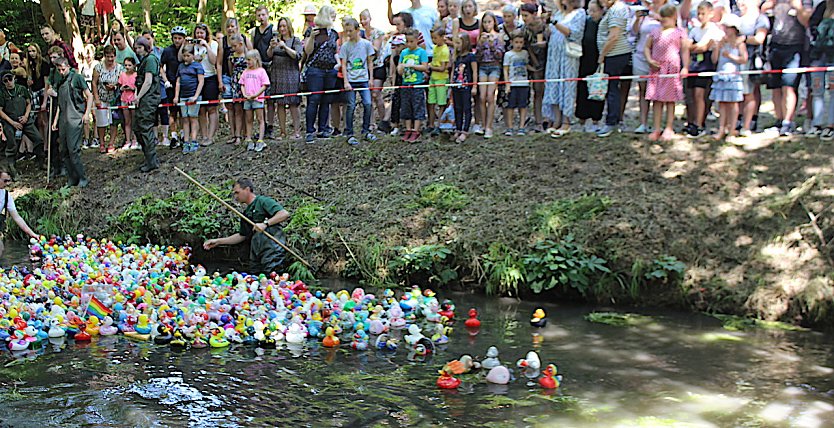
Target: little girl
127	84
254	82
237	63
489	53
663	50
728	89
465	73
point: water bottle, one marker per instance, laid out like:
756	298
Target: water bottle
18	134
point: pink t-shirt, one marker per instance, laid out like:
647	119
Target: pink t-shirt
253	81
128	80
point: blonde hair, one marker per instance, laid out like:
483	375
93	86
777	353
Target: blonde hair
365	12
254	54
324	19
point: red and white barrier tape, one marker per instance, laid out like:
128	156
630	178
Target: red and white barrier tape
797	70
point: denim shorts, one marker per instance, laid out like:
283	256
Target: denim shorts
227	87
191	110
781	57
253	105
487	71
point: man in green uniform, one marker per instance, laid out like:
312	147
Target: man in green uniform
16	118
264	254
75	105
147	101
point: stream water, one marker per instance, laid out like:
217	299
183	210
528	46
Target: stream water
679	370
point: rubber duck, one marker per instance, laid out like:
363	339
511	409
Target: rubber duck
530	365
395	317
55	329
17	342
360	340
82	335
178	340
142	326
377	327
472	321
386	343
447	309
464	364
295	334
539	318
107	328
93	326
218	339
446	381
550	379
499	375
440	337
491	361
330	338
163	335
198	341
414	334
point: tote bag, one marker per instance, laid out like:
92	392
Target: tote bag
599	87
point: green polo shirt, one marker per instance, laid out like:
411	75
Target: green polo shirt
263	207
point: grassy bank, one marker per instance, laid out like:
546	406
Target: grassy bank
697	224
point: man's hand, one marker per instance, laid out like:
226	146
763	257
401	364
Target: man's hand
23	119
601	59
193	99
211	243
17	126
260	227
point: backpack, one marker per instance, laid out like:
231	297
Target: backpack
824	42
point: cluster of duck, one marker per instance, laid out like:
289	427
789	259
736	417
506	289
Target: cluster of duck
86	288
498	373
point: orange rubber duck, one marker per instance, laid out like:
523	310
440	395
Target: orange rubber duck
549	379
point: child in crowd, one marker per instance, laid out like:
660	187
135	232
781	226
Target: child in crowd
704	35
254	82
237	63
728	89
439	67
454	13
516	63
664	49
413	65
465	78
127	85
190	79
357	55
489	53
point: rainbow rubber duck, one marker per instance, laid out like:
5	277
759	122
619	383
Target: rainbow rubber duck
82	335
330	339
539	318
550	379
93	326
472	321
446	381
107	328
218	339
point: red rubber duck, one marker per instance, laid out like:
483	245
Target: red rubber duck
446	381
82	335
473	321
549	379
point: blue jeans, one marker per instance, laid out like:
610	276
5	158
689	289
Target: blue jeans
351	108
318	105
614	66
820	81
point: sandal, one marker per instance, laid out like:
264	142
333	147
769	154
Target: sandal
102	149
233	140
655	135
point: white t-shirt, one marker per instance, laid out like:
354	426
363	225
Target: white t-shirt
201	54
424	19
10	207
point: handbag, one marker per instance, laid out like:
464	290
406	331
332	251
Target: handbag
574	50
597	85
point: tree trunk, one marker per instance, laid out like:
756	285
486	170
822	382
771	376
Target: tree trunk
117	10
54	17
228	11
146	13
72	33
201	11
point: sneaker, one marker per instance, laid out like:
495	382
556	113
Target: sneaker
134	145
371	138
813	131
310	138
195	146
488	134
509	132
85	144
521	132
250	144
415	137
335	133
827	134
745	133
95	143
165	143
268	131
186	147
642	129
352	141
476	129
260	146
787	129
395	131
325	135
406	136
590	128
605	131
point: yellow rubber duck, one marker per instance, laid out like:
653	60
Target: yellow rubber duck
330	338
93	325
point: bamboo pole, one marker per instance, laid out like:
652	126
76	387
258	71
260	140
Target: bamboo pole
49	141
243	217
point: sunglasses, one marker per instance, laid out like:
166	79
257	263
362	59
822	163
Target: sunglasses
6	180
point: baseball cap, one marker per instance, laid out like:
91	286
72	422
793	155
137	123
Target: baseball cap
310	9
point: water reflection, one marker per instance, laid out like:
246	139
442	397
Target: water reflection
666	372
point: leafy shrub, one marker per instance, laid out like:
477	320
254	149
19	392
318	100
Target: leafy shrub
563	263
369	262
433	260
47	212
442	196
303	228
504	269
557	216
665	268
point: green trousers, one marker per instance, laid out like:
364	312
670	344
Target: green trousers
69	144
144	126
12	144
265	255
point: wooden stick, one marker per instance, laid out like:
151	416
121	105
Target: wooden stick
239	214
49	142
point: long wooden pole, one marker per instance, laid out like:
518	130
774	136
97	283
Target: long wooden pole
49	141
243	217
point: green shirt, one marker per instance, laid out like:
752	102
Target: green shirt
122	54
262	208
149	64
14	102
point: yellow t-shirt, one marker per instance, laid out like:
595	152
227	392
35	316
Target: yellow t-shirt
440	54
